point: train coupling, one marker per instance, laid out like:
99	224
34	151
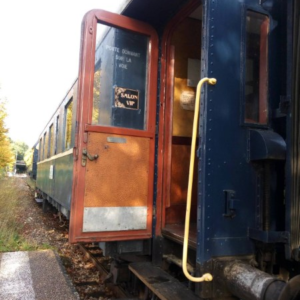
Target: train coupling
249	283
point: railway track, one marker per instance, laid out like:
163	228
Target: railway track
94	254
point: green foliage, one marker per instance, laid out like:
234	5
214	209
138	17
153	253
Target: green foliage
96	97
19	148
6	154
3	129
28	158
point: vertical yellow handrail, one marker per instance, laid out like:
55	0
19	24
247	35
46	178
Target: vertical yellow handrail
207	276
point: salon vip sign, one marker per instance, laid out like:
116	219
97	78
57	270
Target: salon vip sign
126	98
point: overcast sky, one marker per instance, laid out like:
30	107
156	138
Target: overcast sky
39	55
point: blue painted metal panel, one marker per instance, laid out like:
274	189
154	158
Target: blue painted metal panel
291	198
224	164
223	150
266	144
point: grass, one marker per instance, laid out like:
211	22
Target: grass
12	202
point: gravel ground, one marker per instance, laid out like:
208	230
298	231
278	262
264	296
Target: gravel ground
50	230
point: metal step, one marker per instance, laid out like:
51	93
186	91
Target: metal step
170	258
163	285
38	200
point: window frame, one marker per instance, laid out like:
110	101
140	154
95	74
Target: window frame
70	102
263	82
56	134
44	145
40	157
50	141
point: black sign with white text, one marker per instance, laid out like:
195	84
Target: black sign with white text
126	98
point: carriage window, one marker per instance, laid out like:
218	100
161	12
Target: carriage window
40	150
44	146
56	135
68	124
51	141
256	86
120	78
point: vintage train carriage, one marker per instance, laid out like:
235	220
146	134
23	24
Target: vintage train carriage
130	159
55	157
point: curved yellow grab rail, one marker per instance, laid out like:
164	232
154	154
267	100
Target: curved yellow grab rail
207	276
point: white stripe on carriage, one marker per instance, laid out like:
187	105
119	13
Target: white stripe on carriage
70	151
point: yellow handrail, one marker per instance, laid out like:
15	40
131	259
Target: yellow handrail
207	276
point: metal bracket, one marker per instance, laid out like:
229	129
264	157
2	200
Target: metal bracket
230	204
86	155
269	236
284	107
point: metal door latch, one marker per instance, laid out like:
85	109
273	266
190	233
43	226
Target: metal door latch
86	155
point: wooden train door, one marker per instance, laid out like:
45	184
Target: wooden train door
114	153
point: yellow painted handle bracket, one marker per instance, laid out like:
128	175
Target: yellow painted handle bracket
207	276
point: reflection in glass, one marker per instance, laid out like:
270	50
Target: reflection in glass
51	141
45	140
256	87
120	78
68	124
56	135
40	150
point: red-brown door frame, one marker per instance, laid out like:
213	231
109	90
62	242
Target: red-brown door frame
84	117
166	112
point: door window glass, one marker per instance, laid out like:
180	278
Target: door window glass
256	87
120	78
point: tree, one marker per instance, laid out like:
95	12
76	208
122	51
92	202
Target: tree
28	158
6	154
3	129
19	148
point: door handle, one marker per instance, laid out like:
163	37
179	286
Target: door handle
86	155
207	276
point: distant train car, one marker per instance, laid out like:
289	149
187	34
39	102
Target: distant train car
32	169
126	159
